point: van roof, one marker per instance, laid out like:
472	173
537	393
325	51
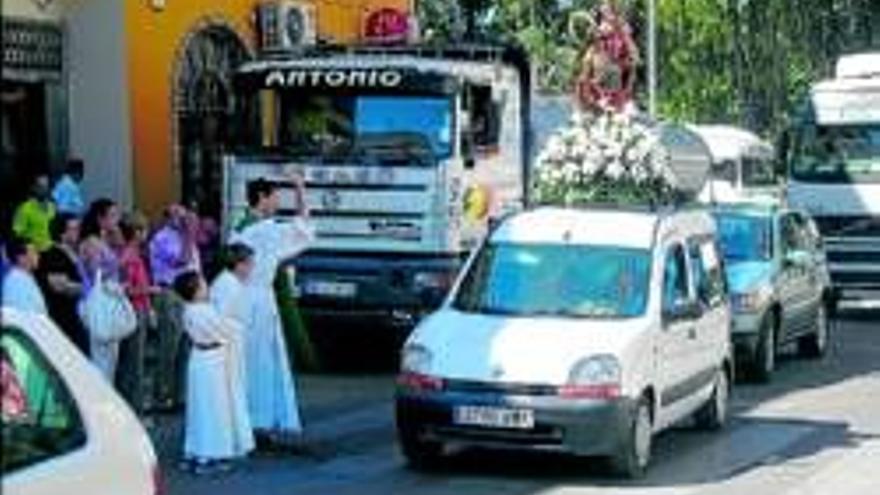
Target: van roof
594	226
730	143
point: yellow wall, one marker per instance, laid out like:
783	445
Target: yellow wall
155	38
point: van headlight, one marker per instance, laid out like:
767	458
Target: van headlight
595	377
753	301
415	364
416	359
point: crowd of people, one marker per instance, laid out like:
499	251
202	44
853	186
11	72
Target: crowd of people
219	346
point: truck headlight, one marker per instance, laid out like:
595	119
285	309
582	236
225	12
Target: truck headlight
753	301
595	377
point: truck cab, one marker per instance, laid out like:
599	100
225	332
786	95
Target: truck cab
409	153
833	159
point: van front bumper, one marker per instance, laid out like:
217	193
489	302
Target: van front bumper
583	427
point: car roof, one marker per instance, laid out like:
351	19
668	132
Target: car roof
630	228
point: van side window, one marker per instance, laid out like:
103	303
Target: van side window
675	278
40	418
707	272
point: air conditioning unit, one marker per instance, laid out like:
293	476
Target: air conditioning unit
286	26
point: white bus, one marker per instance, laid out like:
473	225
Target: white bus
742	165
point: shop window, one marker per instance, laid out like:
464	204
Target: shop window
40	418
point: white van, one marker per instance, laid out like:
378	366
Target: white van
581	331
64	428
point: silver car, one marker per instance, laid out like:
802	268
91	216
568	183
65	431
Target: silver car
779	283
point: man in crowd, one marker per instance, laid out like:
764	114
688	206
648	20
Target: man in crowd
34	216
173	251
67	193
20	289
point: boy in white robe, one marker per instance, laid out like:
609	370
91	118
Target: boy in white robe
20	289
271	394
229	295
218	428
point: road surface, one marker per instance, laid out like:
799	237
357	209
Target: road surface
814	430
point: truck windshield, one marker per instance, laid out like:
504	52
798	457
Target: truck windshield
839	153
404	129
744	237
557	280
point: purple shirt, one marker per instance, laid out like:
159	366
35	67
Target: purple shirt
168	257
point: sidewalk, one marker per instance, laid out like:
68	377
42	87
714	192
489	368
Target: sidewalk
338	412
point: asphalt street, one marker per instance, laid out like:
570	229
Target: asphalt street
814	430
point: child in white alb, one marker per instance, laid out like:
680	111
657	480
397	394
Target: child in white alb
218	428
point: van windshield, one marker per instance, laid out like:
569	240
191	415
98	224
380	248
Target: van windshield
745	237
557	280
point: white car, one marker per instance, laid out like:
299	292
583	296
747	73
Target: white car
64	428
580	331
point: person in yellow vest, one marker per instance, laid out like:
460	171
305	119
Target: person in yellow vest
34	216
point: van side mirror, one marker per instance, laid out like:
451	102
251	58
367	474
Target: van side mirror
682	309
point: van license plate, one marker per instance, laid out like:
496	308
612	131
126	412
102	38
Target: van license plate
495	417
330	289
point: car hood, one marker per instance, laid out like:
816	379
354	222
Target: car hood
743	276
518	350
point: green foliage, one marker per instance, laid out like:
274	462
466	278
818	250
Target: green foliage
745	62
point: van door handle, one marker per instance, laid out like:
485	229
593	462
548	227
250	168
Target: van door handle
692	333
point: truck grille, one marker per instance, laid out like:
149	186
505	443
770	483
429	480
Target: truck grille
849	226
852	244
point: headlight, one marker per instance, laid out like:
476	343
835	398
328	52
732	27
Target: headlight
416	359
414	370
596	377
751	302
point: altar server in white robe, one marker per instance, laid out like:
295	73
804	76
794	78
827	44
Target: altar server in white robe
271	391
218	429
20	289
229	295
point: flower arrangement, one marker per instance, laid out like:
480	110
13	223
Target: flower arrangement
607	158
609	153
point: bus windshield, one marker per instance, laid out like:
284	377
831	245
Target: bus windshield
838	153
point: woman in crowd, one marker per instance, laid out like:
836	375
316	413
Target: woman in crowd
62	277
173	250
99	227
136	281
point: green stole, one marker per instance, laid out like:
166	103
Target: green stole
300	349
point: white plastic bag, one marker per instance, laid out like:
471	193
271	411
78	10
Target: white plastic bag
108	314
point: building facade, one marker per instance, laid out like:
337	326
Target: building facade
141	90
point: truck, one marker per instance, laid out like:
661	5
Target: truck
832	154
410	152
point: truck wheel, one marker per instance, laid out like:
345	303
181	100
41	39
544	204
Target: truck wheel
634	454
815	345
713	415
421	455
763	362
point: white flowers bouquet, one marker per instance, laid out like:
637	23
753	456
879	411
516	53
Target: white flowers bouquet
606	158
